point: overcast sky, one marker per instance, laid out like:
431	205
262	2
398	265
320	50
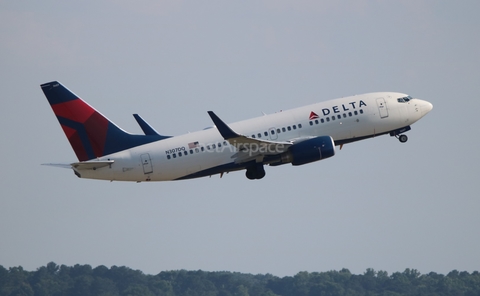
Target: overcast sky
377	204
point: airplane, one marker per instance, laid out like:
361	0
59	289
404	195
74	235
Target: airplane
297	136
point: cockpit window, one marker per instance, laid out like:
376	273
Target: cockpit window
404	99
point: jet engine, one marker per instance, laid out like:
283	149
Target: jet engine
307	151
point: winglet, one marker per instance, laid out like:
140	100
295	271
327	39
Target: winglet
146	128
223	128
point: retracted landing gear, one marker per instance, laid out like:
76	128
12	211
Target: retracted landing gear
255	171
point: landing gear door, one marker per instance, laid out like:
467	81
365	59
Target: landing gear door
146	163
382	107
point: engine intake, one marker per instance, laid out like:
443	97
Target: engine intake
312	150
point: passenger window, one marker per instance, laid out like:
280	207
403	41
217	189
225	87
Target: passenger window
191	151
328	119
278	130
350	114
311	122
316	121
253	136
361	111
180	154
356	112
289	128
322	121
219	145
168	156
272	132
344	115
294	127
283	129
333	117
174	155
213	146
203	148
299	125
259	135
265	133
196	150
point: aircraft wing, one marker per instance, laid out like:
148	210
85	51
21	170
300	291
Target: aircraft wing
248	148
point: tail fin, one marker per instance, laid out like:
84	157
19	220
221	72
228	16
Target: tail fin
90	133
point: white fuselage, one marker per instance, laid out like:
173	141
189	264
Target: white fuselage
346	120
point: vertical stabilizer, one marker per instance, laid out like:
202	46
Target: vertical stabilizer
90	133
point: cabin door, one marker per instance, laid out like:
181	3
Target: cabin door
146	163
382	107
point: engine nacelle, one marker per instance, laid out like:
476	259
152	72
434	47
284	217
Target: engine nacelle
312	150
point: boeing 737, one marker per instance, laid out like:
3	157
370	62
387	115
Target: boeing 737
297	136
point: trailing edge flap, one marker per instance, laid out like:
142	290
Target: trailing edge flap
248	148
91	165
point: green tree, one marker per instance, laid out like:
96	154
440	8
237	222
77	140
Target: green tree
16	282
137	290
82	285
160	287
104	286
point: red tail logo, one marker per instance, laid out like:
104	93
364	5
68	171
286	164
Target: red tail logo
89	132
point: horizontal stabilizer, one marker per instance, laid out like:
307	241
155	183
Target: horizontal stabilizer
59	165
91	165
83	165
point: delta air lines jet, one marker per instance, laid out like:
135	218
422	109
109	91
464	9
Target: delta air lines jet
297	136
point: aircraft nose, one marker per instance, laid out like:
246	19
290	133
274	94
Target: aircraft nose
426	107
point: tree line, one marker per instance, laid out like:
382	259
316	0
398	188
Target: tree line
84	280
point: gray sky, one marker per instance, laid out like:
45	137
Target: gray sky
376	204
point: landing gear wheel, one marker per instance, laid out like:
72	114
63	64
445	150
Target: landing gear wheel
255	172
403	138
250	174
260	174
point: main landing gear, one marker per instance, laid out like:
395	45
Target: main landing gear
255	171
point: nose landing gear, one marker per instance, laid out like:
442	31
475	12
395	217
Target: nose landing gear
399	134
402	138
